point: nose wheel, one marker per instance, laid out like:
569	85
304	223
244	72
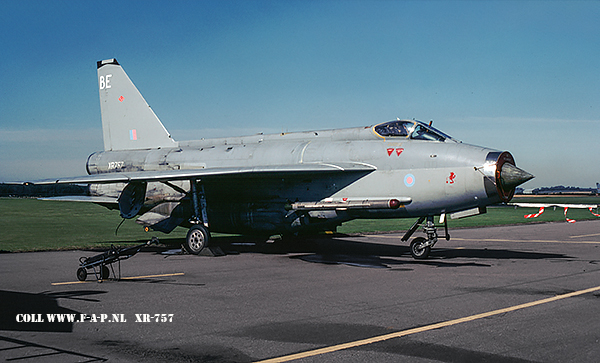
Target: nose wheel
419	249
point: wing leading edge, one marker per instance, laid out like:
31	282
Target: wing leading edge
84	198
234	172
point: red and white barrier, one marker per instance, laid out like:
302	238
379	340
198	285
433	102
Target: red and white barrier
568	220
536	214
565	206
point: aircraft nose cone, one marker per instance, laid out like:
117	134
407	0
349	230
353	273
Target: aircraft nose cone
506	174
511	176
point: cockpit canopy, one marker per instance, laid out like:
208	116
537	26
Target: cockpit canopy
415	130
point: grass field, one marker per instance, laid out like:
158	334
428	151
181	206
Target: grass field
34	225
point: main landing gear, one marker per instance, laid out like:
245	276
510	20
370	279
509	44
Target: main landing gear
198	237
421	247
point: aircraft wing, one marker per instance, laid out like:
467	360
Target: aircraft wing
239	172
84	198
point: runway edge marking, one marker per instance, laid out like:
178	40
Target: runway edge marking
586	235
522	241
122	278
403	333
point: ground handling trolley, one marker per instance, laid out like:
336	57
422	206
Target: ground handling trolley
99	263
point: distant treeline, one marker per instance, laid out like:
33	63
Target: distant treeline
560	189
30	190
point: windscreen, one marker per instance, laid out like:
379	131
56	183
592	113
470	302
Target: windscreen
395	128
416	130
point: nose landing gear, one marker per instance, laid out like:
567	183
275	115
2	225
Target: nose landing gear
421	247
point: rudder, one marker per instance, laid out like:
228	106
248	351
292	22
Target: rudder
128	122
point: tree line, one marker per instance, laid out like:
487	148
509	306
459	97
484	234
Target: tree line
42	191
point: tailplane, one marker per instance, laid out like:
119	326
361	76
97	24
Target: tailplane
127	120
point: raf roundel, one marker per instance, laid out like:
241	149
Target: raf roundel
409	180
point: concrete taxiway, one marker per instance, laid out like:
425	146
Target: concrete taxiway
527	293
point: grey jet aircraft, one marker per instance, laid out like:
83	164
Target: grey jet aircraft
287	183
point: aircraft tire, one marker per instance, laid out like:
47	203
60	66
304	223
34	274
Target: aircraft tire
197	239
105	273
417	251
81	274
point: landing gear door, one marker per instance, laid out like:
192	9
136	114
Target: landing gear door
132	199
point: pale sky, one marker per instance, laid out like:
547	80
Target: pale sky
521	76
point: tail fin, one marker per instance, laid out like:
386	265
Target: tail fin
127	120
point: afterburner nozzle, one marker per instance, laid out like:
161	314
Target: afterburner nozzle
511	176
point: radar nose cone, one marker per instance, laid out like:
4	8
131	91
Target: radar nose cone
511	176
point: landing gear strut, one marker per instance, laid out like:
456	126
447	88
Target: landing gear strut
421	247
198	237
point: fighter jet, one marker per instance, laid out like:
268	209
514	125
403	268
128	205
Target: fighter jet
287	183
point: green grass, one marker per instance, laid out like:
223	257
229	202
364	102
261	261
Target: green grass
33	225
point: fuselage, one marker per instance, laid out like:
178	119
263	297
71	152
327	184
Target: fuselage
428	171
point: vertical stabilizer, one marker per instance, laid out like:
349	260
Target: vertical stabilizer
127	120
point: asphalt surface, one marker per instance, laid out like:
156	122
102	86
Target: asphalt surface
275	300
